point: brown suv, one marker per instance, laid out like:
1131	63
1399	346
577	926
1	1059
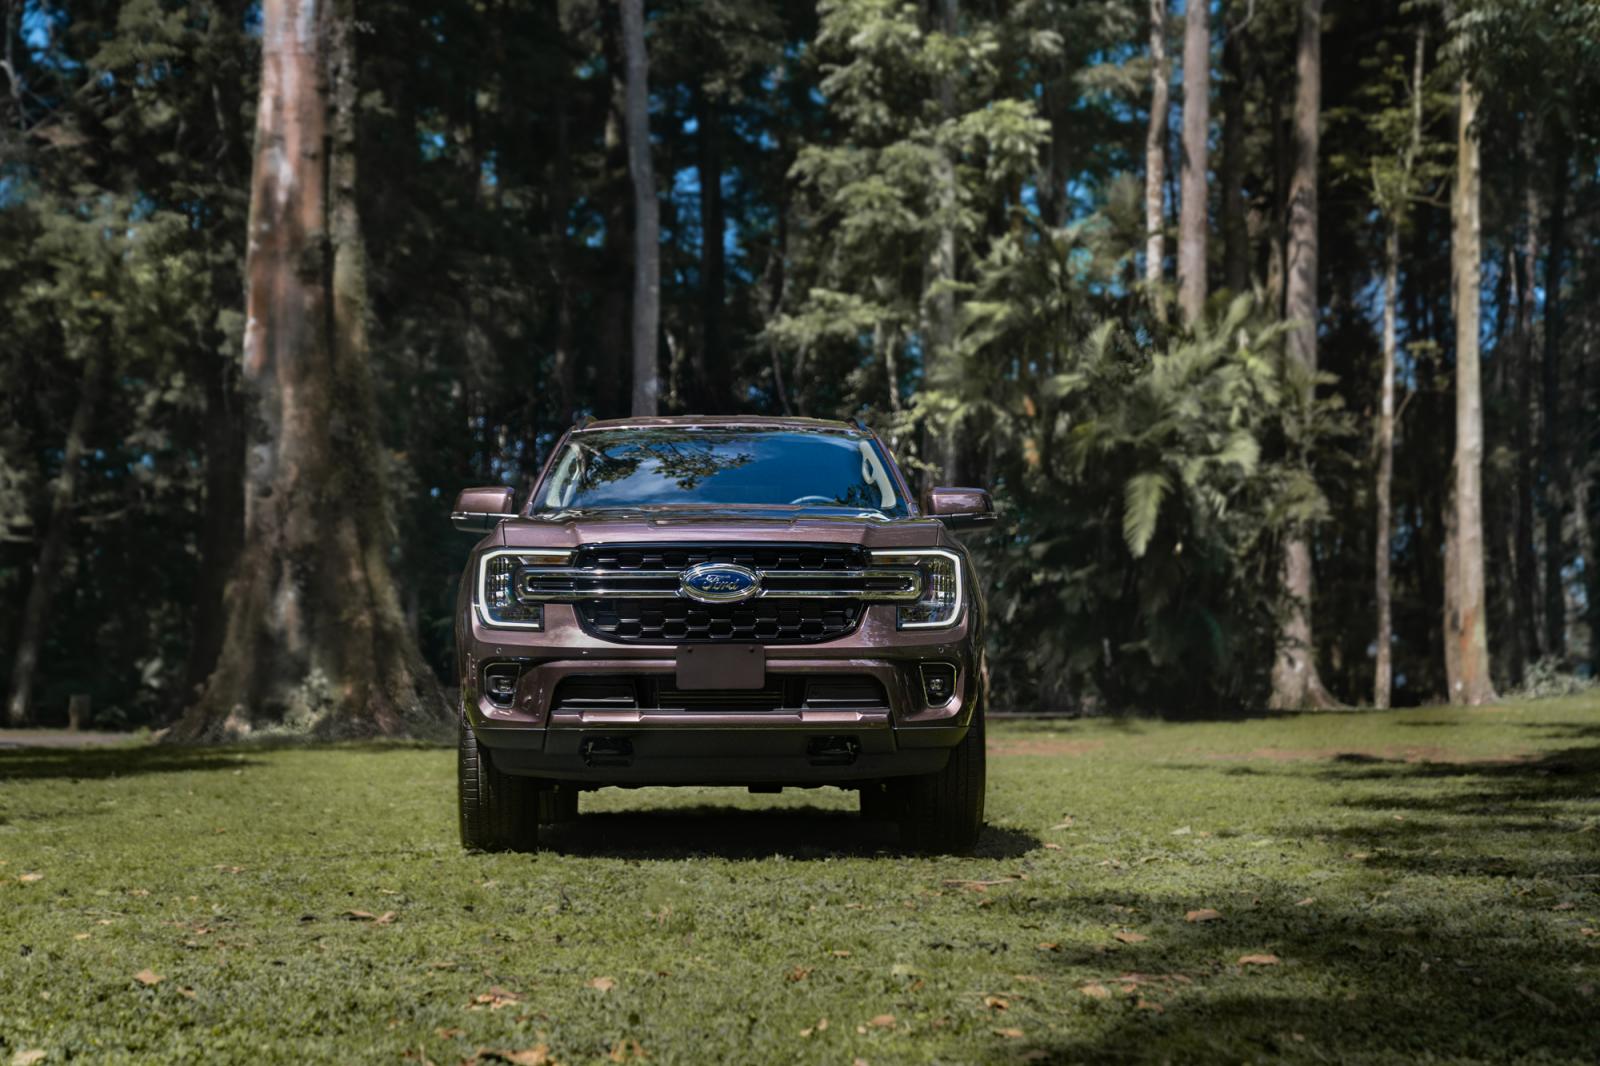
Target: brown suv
720	601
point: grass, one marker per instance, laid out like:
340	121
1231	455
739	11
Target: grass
1428	882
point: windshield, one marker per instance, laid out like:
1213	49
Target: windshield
736	466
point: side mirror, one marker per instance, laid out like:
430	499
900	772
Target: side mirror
480	510
958	508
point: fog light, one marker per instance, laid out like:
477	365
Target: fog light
938	683
500	683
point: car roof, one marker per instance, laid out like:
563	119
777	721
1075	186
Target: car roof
819	425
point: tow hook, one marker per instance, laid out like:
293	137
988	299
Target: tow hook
832	751
606	751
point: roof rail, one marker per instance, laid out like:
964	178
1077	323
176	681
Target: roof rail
583	420
857	423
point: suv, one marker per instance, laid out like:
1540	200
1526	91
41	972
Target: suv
720	601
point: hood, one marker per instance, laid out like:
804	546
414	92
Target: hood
570	529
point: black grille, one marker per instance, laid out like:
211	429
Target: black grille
781	690
769	621
772	619
754	556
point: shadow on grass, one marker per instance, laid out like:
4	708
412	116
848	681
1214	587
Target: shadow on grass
1457	924
20	764
739	833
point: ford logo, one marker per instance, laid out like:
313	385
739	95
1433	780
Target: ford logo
719	583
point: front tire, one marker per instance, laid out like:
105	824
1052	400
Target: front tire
499	811
942	812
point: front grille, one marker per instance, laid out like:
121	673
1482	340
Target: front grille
812	592
754	556
856	692
771	620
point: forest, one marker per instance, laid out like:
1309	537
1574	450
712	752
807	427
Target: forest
1272	325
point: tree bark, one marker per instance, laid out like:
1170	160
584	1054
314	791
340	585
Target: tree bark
713	387
1383	673
1555	473
35	621
565	369
938	365
1155	157
316	640
1192	212
1295	680
1466	624
646	215
1525	594
222	520
1235	231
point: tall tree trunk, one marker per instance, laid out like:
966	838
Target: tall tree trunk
940	273
1295	680
1192	214
1524	270
565	369
1383	674
1555	472
713	387
646	215
1466	625
1155	156
316	639
32	630
1235	231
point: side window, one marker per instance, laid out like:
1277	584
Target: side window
563	480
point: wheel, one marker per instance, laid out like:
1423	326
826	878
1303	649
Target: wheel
943	812
498	811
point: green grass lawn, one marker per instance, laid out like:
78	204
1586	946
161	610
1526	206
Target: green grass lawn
1417	885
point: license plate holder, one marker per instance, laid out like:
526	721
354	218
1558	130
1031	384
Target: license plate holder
731	666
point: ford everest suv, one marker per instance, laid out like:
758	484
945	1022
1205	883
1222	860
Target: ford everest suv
720	601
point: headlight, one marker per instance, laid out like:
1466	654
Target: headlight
498	603
940	605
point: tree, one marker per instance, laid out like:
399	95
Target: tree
1394	182
1192	213
1155	154
1295	680
646	214
1465	610
316	639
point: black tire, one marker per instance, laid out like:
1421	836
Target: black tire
943	812
498	811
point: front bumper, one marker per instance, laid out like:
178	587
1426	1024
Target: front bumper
793	746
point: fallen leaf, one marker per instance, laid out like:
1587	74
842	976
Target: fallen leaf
148	977
448	1034
386	918
1150	1005
29	879
1204	914
1009	1034
882	1021
1359	856
494	999
80	936
1258	960
996	1003
840	953
601	984
1565	906
28	1057
1095	990
1308	901
538	1055
799	973
623	1050
1052	847
1182	831
186	992
1049	945
1586	931
360	916
1130	938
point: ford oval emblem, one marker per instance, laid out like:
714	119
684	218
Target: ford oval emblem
719	583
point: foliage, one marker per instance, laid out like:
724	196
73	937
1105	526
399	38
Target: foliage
1449	850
